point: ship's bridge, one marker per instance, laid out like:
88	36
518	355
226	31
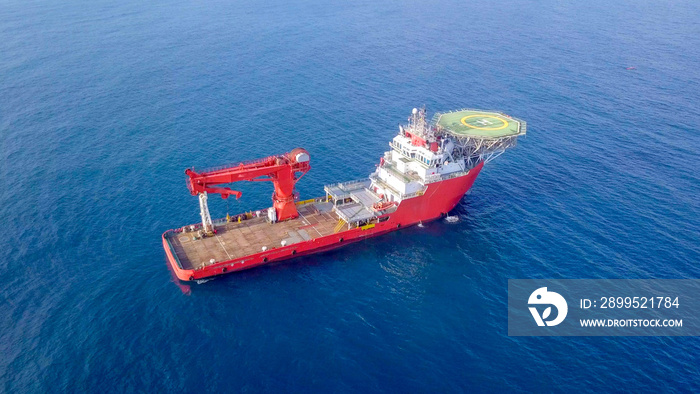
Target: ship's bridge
423	155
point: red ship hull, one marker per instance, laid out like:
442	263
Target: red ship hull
437	201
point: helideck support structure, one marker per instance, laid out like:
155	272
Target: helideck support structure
478	136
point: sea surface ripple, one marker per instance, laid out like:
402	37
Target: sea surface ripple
104	103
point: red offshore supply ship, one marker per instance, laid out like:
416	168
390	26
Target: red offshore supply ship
430	166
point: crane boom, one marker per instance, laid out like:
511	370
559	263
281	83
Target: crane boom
282	170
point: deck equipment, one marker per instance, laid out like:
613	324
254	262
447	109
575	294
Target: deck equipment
282	170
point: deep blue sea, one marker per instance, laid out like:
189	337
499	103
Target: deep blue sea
103	104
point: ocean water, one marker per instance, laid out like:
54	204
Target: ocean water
103	104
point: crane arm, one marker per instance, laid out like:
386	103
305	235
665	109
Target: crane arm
282	170
204	181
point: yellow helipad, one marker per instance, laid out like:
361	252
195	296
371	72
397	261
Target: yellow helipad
481	124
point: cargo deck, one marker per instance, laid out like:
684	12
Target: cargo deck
235	240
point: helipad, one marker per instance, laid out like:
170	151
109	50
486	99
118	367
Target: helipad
480	124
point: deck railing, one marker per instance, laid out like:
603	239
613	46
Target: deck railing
172	251
341	184
234	165
414	194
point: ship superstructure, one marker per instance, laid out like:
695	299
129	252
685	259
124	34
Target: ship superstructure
429	167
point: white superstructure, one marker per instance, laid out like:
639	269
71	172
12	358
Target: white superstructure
417	157
422	153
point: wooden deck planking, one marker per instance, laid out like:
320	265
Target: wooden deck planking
237	240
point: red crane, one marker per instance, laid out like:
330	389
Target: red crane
283	170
